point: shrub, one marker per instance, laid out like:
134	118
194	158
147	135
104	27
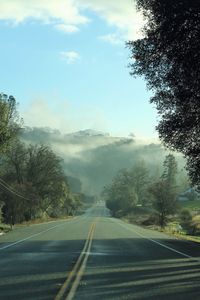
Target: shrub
186	220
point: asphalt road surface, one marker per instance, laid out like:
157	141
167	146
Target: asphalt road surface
97	257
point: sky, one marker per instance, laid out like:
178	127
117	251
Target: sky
66	63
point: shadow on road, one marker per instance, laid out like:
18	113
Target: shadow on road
130	275
117	269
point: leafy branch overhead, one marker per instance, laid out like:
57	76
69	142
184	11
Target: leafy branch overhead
169	59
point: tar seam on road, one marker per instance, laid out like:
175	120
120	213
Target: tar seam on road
158	243
78	269
31	236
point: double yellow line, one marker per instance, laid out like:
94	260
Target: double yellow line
72	282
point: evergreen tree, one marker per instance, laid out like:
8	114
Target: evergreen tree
164	191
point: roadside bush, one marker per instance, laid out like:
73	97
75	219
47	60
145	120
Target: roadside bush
195	225
151	220
186	220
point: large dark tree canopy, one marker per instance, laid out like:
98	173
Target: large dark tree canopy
169	58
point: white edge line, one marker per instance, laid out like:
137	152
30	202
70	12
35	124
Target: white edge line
156	242
29	237
39	233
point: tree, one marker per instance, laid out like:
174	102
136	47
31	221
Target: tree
120	196
170	171
16	160
128	189
186	219
32	180
168	57
34	185
45	172
14	175
9	120
17	206
164	191
139	179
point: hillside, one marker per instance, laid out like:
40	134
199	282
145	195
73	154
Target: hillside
94	157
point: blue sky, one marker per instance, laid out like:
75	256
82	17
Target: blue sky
65	61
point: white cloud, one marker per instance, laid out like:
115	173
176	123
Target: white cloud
112	38
67	28
121	14
68	15
70	57
54	12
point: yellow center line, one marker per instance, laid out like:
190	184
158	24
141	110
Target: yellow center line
78	269
80	272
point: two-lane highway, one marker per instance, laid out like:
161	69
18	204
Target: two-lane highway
96	257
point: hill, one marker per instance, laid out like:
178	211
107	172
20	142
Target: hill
93	157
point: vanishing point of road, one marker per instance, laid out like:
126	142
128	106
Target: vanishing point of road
98	257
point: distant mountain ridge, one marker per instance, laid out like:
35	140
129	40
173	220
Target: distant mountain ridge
95	157
88	132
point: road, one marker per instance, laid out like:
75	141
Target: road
95	256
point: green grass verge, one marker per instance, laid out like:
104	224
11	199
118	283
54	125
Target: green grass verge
191	205
171	229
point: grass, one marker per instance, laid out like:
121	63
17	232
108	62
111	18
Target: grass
143	218
191	205
4	228
42	220
181	235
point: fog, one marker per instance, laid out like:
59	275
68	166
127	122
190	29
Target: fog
95	157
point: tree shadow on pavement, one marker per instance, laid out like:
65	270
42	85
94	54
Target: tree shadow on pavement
129	268
141	271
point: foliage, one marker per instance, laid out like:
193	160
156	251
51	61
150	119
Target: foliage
135	188
139	179
120	196
127	190
45	172
170	171
9	120
16	161
16	209
195	226
164	191
32	181
168	57
186	219
36	173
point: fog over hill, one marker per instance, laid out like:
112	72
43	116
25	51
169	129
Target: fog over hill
95	157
